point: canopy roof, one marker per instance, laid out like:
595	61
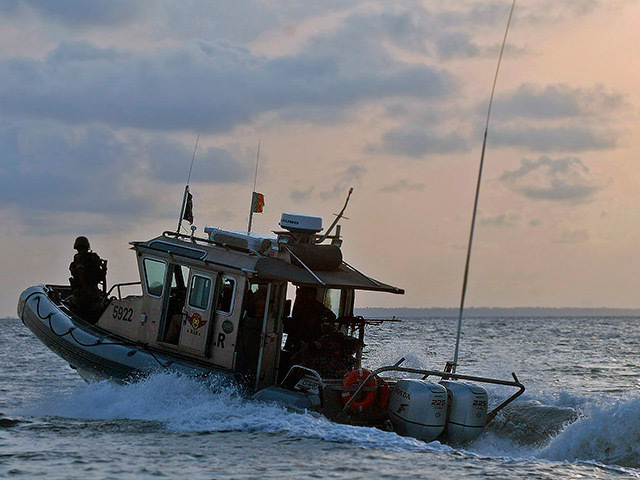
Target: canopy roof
344	277
210	254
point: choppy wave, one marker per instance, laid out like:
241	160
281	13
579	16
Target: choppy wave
184	404
6	422
607	434
568	429
562	430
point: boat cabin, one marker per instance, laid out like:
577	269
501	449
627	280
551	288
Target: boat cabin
221	301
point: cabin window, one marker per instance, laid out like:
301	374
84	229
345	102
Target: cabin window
200	292
178	249
227	291
180	272
155	273
332	301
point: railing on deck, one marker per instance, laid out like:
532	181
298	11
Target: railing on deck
445	376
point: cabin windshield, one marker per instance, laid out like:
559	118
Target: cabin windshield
339	301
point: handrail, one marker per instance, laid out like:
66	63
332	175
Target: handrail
304	369
118	287
203	260
313	373
444	375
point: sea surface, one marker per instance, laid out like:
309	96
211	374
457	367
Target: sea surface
578	419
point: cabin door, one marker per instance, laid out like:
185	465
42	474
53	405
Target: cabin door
271	338
199	307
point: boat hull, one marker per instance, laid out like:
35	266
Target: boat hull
95	354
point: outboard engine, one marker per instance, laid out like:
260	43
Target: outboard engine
467	405
418	409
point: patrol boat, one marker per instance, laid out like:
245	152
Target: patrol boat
218	305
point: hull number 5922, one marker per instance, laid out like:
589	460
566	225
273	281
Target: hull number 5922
122	313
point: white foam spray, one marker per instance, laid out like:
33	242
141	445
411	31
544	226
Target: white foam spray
184	404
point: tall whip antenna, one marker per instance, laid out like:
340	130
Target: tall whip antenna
452	366
193	159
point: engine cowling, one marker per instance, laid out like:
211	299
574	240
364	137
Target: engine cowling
467	411
418	409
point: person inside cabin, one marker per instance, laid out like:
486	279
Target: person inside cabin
177	299
88	270
307	317
332	355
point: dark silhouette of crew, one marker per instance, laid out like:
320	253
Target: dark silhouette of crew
307	317
332	355
88	271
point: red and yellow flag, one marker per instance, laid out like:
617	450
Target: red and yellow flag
257	202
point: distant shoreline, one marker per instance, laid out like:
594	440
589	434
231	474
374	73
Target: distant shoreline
388	312
480	312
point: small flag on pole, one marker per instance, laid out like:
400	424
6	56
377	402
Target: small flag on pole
188	209
257	203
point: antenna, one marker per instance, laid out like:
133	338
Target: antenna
337	219
186	187
451	366
255	181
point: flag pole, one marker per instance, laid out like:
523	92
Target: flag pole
184	204
255	181
186	187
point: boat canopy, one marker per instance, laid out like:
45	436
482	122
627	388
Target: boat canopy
267	266
343	277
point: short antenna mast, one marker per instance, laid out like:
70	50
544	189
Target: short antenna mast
186	187
451	366
255	182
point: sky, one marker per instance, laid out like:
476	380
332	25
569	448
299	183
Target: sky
101	103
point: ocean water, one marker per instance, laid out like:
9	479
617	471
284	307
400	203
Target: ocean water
579	418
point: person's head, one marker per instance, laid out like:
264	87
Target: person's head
307	292
82	244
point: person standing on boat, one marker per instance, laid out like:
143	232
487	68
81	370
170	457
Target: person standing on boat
88	270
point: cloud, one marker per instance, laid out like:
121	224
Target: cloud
477	14
555	11
206	86
574	236
557	118
557	101
501	220
480	15
169	162
402	185
560	180
350	175
48	171
456	45
47	168
241	20
554	139
417	143
76	13
301	195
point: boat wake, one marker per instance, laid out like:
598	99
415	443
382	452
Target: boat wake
183	404
562	430
608	434
567	429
